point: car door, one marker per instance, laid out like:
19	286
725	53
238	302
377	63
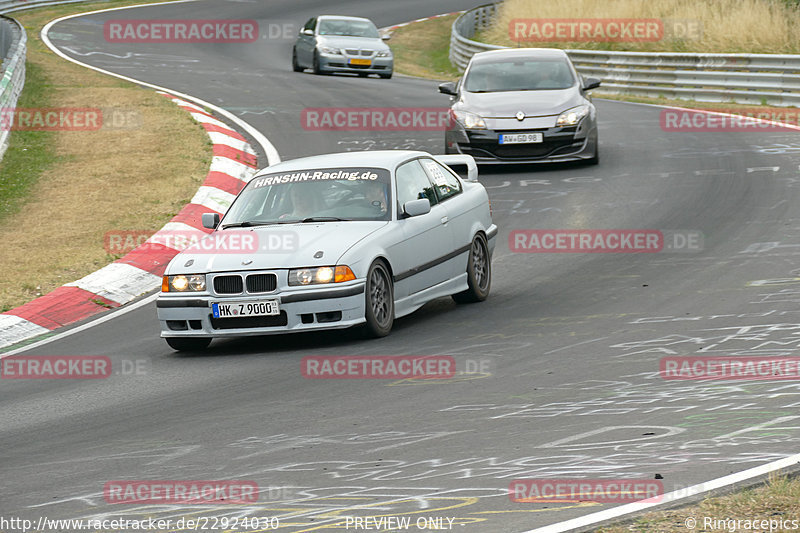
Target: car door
449	193
306	43
420	257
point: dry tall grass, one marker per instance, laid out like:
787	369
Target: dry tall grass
749	26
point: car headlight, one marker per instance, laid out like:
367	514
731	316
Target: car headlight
321	275
387	53
471	121
330	50
570	117
183	283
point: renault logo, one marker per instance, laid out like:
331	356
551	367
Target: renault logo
520	116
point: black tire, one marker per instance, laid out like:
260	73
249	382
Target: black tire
188	344
315	64
479	273
385	76
295	65
379	304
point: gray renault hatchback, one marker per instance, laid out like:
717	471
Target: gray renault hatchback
522	105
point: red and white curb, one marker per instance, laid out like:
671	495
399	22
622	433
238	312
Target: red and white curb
232	166
392	28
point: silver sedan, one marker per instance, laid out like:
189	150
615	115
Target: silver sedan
333	241
329	44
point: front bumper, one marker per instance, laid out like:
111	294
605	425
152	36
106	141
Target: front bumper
303	309
341	63
561	144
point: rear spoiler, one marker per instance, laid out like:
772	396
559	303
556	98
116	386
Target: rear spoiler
460	159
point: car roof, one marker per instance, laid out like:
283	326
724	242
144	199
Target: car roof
517	53
388	159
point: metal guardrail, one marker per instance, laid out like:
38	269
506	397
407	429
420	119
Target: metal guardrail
12	77
462	48
7	38
770	79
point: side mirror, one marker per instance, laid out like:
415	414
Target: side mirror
590	83
307	32
414	208
448	88
210	220
386	37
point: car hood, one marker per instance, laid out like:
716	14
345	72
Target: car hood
283	246
506	104
343	41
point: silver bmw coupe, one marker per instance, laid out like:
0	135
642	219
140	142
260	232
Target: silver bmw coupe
333	241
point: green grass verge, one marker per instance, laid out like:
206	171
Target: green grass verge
422	49
771	506
30	153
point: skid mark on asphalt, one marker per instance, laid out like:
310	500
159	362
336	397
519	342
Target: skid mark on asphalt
133	55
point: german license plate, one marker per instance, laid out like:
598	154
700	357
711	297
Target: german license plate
521	138
360	61
238	309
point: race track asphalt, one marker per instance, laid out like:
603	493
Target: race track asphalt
572	341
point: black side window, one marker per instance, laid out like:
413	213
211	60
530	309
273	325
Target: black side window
311	24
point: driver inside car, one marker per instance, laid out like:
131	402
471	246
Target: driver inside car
375	194
306	202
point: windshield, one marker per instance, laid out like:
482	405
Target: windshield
519	75
353	28
314	195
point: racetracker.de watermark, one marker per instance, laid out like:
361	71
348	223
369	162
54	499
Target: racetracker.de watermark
56	367
604	241
743	119
378	367
376	119
577	490
107	523
180	31
730	368
181	492
602	30
69	367
220	242
68	119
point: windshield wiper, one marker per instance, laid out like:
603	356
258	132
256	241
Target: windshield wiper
251	223
325	219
